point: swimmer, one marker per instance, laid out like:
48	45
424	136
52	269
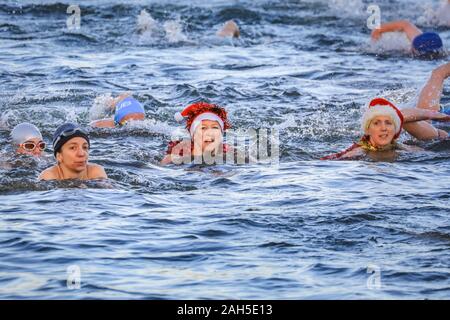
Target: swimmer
382	124
429	100
27	139
229	30
71	150
206	124
423	44
126	109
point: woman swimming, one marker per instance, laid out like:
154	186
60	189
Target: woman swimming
382	124
206	124
71	149
27	139
423	44
126	109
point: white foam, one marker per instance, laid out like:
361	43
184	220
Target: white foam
151	125
101	107
347	8
174	31
148	28
439	16
391	41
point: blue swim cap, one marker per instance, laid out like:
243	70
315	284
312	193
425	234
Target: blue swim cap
125	107
427	43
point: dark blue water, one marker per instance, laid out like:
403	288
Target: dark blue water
303	229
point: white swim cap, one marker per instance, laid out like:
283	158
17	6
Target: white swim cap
23	132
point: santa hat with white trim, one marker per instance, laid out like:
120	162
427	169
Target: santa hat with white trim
195	113
382	107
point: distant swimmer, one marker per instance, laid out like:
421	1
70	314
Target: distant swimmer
27	139
125	108
71	149
423	44
206	124
229	30
382	124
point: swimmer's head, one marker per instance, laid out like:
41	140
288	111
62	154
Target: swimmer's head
27	138
205	123
383	121
65	133
428	44
128	109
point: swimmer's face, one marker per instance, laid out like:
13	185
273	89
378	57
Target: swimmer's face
32	147
208	134
381	131
132	117
74	154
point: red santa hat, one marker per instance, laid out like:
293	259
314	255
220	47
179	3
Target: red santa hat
197	112
382	107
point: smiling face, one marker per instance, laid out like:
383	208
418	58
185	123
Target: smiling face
27	147
74	155
381	131
209	133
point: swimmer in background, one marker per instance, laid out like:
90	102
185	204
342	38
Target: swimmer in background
382	124
423	44
229	30
206	124
27	139
147	25
71	149
125	109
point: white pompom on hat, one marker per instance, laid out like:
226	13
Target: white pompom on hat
382	107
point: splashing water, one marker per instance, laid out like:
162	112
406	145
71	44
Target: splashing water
391	42
435	16
347	8
174	31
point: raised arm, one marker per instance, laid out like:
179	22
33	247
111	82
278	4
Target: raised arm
430	96
416	114
401	25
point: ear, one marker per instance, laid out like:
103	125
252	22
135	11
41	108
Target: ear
58	157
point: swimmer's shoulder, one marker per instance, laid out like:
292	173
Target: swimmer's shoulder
49	174
96	171
354	153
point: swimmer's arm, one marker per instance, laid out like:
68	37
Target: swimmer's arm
103	123
405	147
97	172
119	98
430	96
405	26
416	114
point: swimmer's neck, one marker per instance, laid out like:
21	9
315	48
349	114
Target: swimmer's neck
66	173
